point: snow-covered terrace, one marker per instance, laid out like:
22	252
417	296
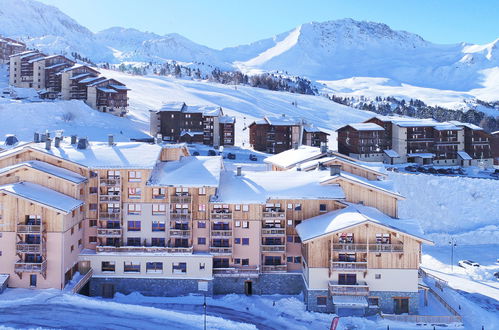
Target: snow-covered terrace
193	171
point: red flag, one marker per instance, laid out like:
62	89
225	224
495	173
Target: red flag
334	323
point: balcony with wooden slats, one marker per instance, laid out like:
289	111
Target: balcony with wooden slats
358	289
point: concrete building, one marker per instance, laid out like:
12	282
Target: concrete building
10	47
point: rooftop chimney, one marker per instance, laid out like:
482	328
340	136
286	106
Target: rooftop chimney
335	170
238	170
57	142
82	143
36	137
43	137
323	148
110	139
73	139
47	143
10	140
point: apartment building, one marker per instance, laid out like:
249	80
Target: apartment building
277	134
22	67
396	140
178	122
494	145
9	47
108	95
153	219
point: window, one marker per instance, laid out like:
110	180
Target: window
158	209
134	225
72	248
92	190
134	209
346	238
245	224
158	241
322	208
80	242
202	208
92	223
298	260
245	241
321	301
134	176
297	207
237	241
92	239
158	226
202	266
108	266
202	240
202	191
290	206
201	224
245	208
377	276
373	301
289	238
289	259
290	222
237	261
245	262
382	238
80	225
179	268
237	207
134	193
297	239
133	241
154	267
130	267
237	223
92	207
158	193
72	230
113	174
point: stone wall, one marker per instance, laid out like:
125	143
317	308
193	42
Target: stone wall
311	301
264	284
386	300
149	286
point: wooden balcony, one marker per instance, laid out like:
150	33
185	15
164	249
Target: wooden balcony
110	182
221	216
173	249
180	199
109	198
30	267
351	247
386	247
274	215
29	229
274	268
349	265
273	248
237	272
29	248
358	289
273	231
179	233
149	249
109	232
180	216
223	250
221	233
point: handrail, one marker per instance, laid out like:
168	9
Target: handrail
81	283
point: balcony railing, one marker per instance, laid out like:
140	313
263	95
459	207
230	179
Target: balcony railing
236	272
273	248
273	231
358	289
109	198
221	233
274	268
30	267
110	182
349	265
180	216
221	250
109	232
180	233
351	247
29	248
109	215
149	249
274	215
386	247
180	199
29	229
221	216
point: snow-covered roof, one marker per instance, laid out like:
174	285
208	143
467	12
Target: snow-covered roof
192	171
421	155
172	106
191	133
383	186
77	66
292	157
366	127
106	90
206	110
283	121
464	155
227	120
353	215
53	66
391	153
313	164
127	155
469	125
119	87
42	195
81	75
89	79
447	127
29	54
105	80
49	169
36	59
259	186
314	129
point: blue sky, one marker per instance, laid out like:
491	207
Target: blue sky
224	23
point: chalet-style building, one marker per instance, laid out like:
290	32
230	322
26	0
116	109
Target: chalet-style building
277	134
153	219
396	140
9	47
494	146
178	122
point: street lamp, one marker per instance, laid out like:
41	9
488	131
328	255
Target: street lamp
204	309
452	243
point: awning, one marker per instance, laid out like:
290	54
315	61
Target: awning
391	153
350	301
464	155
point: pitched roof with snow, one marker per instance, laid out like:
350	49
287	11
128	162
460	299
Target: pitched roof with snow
291	157
206	110
49	169
172	106
192	171
283	121
464	155
314	163
385	186
42	195
468	125
365	127
259	186
353	215
227	120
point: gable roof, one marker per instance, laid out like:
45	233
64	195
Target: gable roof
354	215
292	157
363	127
382	186
49	169
313	164
42	195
